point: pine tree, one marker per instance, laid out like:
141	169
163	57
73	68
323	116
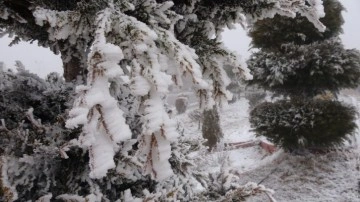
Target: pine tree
127	54
211	129
306	66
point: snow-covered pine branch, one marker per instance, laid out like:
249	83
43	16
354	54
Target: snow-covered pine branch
103	122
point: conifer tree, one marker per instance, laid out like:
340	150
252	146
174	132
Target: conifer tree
307	66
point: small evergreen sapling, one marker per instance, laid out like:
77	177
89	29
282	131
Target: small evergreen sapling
211	129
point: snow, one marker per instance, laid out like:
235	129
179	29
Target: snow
103	122
5	179
236	128
312	177
68	197
148	44
327	177
46	198
159	131
129	198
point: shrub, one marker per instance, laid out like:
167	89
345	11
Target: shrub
271	33
301	124
181	104
211	129
306	70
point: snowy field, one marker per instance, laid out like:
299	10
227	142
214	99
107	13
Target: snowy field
333	176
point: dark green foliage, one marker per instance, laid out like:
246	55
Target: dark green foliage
34	153
295	60
211	129
35	163
28	90
301	124
32	147
272	33
307	70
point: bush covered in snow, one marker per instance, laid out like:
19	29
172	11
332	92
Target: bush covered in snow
301	124
296	59
211	129
181	104
307	70
272	33
32	133
310	68
299	60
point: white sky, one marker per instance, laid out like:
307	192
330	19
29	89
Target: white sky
42	61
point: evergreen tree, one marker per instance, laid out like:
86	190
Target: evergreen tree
299	124
211	129
40	159
131	52
274	33
303	64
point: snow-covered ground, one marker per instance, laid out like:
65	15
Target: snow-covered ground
334	176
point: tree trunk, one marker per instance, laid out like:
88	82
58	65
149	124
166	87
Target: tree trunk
74	61
73	69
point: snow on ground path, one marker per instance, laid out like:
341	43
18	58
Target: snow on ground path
235	122
236	128
315	178
330	177
311	178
